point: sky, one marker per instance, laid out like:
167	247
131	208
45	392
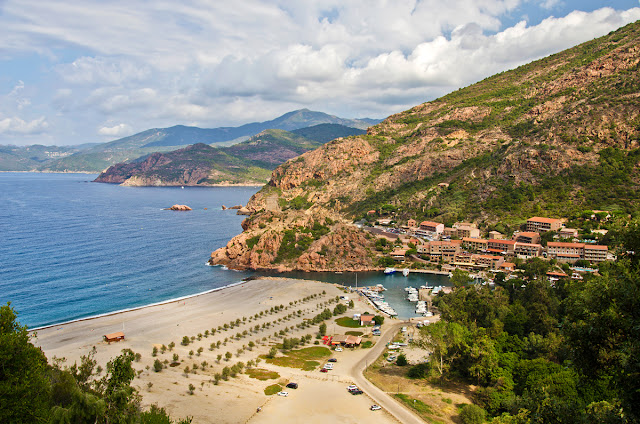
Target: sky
91	71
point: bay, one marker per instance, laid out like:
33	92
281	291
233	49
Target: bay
71	249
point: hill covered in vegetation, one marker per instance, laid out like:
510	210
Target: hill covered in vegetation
249	162
554	138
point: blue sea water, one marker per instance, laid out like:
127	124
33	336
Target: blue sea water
71	249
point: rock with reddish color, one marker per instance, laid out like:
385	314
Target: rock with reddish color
180	208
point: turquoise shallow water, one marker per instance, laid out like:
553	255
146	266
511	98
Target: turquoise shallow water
72	249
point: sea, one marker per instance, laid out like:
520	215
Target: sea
72	249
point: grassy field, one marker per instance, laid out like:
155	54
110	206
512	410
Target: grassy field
354	333
348	322
305	359
262	374
272	390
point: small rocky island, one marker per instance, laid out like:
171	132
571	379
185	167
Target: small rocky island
179	208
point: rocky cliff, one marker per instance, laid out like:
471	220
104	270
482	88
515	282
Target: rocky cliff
554	137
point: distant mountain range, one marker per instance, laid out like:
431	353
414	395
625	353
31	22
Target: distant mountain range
97	157
248	162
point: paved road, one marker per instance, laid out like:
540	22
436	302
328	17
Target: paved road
400	412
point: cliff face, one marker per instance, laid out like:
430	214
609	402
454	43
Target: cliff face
553	137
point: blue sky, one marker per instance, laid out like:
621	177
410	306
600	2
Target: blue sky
89	71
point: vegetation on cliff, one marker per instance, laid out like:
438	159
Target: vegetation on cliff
553	138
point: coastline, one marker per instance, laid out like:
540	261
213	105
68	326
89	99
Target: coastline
162	324
135	308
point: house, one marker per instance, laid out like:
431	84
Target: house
445	250
530	237
467	231
412	223
496	235
542	225
507	266
346	340
113	337
568	233
371	212
366	319
399	254
385	221
430	227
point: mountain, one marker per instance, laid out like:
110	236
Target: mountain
328	132
28	158
552	138
101	156
249	162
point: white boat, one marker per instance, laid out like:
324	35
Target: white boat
405	272
389	270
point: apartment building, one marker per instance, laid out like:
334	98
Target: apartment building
475	243
528	250
429	229
530	237
542	225
505	247
571	252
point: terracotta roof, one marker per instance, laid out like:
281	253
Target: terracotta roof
502	241
474	240
556	274
508	265
595	247
528	234
430	223
494	250
563	244
542	219
528	244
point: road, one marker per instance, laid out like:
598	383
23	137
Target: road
400	412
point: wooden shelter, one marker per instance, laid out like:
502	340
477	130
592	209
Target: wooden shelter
113	337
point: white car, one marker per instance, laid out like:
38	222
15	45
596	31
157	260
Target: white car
352	387
375	407
391	358
328	366
285	394
338	349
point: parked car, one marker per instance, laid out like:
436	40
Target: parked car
375	407
338	349
328	366
292	385
333	360
352	387
357	392
324	370
391	358
285	394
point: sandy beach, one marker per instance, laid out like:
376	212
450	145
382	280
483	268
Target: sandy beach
237	399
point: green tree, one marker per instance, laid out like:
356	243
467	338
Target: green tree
460	278
24	389
322	329
472	414
378	319
443	340
157	365
402	360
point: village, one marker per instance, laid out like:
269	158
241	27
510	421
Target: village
433	246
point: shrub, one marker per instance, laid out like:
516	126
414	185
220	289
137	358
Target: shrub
157	365
402	360
185	341
472	414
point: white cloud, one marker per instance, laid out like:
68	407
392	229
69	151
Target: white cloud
225	63
120	130
15	125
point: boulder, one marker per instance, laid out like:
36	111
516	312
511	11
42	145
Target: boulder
243	211
179	208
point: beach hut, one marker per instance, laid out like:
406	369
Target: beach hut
113	337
